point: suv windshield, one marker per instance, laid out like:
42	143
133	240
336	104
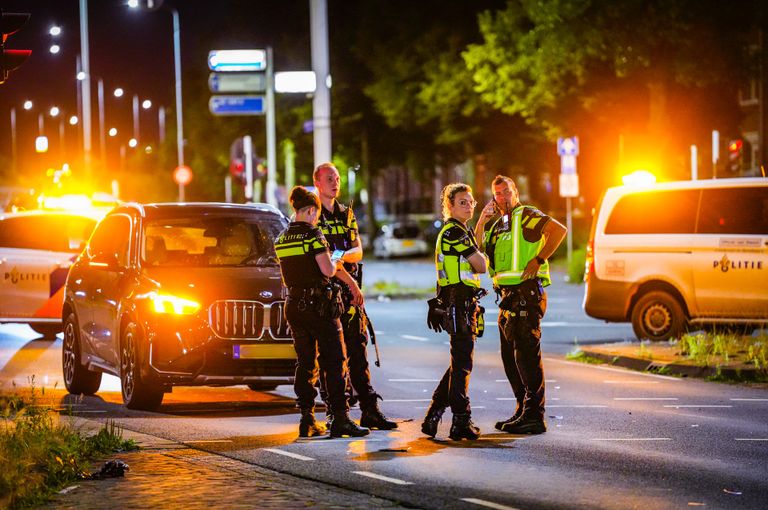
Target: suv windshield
211	241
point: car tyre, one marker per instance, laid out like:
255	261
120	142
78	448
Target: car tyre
658	316
137	393
49	331
77	378
262	386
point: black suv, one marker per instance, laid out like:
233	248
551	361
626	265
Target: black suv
178	295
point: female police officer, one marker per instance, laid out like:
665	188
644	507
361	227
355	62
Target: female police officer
313	309
458	263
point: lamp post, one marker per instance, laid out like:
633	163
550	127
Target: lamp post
135	4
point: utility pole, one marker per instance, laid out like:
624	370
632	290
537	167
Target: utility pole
321	103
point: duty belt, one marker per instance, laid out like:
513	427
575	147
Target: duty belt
306	292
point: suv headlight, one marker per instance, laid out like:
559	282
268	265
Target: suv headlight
166	303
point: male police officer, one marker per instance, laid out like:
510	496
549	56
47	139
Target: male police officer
518	245
339	226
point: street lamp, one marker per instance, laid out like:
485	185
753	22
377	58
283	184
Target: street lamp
134	4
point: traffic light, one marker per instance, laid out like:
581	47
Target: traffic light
11	22
237	162
735	155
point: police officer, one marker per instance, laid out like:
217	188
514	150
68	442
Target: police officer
458	262
313	308
339	225
518	244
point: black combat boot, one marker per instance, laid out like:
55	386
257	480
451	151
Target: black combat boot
432	420
526	424
463	428
343	426
372	417
308	426
518	413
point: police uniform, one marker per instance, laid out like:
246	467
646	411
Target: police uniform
339	226
312	329
458	286
511	242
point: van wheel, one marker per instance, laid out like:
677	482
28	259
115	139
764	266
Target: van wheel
49	331
262	386
77	378
137	393
658	316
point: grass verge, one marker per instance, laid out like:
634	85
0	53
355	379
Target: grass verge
715	349
579	355
395	290
39	455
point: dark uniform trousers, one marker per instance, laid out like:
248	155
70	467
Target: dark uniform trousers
520	337
452	388
313	335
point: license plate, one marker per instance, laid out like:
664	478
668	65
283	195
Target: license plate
264	351
407	243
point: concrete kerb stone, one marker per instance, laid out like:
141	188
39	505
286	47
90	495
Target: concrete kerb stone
678	369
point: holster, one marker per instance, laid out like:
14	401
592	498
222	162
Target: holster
436	314
463	314
521	300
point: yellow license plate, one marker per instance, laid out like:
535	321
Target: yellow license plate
407	243
264	351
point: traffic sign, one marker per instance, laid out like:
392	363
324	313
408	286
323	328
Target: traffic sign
237	105
237	60
569	185
567	164
237	82
568	146
182	175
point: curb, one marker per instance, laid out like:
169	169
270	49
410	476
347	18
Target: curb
677	369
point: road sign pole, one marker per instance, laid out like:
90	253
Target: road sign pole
569	226
271	189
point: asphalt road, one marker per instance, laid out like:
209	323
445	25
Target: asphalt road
616	439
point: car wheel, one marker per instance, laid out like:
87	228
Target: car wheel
262	386
658	316
77	378
49	331
137	394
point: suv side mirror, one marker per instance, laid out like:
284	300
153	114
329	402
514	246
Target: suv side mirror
105	259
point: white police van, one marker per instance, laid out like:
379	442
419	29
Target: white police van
680	255
36	249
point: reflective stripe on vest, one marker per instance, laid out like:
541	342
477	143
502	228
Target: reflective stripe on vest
449	272
512	253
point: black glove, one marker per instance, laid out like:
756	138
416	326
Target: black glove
435	315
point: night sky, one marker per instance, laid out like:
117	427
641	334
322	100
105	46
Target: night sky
134	50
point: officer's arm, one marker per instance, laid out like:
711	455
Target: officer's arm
327	267
478	262
344	276
354	254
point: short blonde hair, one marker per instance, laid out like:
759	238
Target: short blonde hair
321	167
449	194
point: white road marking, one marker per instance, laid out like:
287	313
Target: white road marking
749	399
287	454
611	369
545	380
382	478
694	405
85	411
488	504
555	324
629	381
417	338
645	398
577	405
750	439
631	439
409	400
413	380
68	489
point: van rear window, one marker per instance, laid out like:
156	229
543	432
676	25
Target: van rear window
658	212
734	211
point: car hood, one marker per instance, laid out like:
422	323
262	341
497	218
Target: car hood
210	284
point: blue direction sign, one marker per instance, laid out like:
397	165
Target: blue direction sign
237	105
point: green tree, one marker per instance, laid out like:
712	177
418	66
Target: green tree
666	68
